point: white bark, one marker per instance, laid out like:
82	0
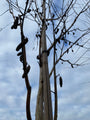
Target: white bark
39	104
46	113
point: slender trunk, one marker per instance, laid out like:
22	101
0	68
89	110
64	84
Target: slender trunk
55	79
28	86
55	89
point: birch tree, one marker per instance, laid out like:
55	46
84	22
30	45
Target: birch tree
61	30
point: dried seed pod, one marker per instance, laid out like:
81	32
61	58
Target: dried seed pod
59	41
38	57
21	58
81	45
63	38
47	23
26	71
67	51
29	10
68	32
72	50
39	35
60	81
72	66
69	42
40	63
19	47
73	33
48	52
21	44
14	26
37	9
20	53
25	40
57	30
77	44
53	15
55	49
35	15
36	35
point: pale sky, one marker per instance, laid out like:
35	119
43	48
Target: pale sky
73	97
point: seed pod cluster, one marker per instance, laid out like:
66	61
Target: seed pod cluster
15	24
22	44
21	55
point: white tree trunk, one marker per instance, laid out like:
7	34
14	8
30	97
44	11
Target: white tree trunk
46	82
44	93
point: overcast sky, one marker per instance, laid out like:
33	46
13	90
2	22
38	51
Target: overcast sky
73	97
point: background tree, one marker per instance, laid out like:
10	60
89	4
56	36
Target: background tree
63	22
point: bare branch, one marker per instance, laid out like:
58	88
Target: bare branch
4	12
61	55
